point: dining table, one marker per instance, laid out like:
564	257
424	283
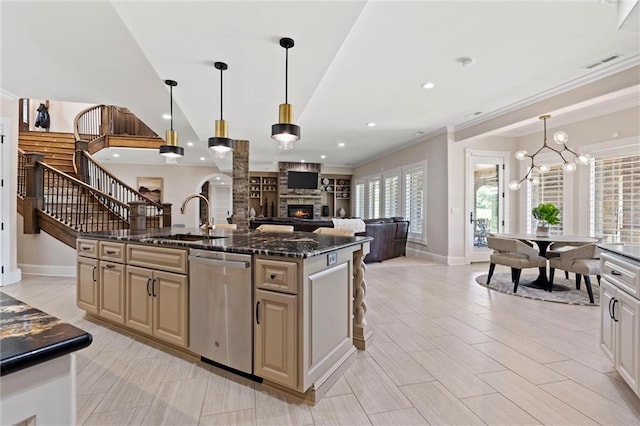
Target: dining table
543	242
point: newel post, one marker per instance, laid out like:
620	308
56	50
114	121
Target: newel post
81	161
137	215
166	216
34	198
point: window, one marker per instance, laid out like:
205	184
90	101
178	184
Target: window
414	191
615	203
374	198
392	195
549	190
359	199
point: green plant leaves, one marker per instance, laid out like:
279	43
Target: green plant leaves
547	212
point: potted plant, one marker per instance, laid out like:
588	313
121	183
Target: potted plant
546	214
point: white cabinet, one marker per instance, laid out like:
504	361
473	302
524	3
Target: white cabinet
620	326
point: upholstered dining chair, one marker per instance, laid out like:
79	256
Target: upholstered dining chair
582	261
275	228
514	254
226	225
334	231
558	247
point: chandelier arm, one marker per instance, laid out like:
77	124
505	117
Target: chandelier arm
567	149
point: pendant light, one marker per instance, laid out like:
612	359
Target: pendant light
171	149
285	132
220	144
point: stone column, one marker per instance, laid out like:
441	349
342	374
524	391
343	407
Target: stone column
34	198
362	333
241	184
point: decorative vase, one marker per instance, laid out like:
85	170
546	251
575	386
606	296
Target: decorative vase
542	230
341	212
252	212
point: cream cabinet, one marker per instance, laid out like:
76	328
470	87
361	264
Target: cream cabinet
111	298
620	324
87	284
157	300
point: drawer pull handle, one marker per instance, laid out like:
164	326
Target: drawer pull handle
616	273
258	312
93	274
272	276
111	252
153	287
610	311
148	285
86	248
613	309
111	266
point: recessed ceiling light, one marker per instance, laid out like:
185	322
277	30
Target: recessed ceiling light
323	156
189	143
341	144
428	85
419	133
467	62
217	177
371	124
166	116
116	155
473	114
202	158
221	183
302	161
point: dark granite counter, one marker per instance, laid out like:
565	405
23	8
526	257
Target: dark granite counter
29	336
631	251
290	244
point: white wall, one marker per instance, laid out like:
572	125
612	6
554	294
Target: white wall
62	114
41	254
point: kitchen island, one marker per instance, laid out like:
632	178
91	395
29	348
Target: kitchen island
295	302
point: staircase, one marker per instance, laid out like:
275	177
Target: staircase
64	191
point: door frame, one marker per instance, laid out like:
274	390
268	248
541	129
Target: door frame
471	255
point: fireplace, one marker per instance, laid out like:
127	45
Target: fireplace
300	211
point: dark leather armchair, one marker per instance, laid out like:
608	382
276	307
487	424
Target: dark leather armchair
389	238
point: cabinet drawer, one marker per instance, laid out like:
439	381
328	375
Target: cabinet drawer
277	275
165	259
112	251
622	273
87	248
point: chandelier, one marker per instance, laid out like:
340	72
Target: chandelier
568	165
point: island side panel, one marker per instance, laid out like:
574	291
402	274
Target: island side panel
362	332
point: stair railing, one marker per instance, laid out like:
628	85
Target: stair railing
22	177
89	124
101	179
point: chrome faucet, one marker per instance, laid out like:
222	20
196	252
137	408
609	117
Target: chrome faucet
207	226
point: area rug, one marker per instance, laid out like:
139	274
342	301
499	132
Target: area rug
564	291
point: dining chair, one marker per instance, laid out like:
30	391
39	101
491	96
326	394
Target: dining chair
275	228
583	261
514	254
334	231
558	247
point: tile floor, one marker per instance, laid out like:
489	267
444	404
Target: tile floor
445	351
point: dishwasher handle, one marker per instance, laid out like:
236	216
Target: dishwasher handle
226	263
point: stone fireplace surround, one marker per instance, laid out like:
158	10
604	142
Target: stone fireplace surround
297	196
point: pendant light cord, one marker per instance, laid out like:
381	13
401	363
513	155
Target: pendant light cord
286	77
171	105
220	94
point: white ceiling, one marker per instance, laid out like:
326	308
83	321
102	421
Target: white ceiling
354	62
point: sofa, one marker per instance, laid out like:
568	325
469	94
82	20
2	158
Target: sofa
389	234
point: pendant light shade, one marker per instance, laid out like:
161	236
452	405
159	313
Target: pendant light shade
171	149
220	144
285	132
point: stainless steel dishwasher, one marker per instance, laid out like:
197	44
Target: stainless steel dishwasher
220	299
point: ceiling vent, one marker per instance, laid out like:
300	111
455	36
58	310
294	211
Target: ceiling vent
603	61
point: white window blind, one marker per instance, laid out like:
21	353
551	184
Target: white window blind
615	204
414	183
374	198
392	196
359	200
549	190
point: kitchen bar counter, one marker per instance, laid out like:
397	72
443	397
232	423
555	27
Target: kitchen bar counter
291	244
629	251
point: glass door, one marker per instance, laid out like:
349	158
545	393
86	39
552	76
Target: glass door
485	202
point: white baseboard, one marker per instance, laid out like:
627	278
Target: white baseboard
10	277
457	260
49	270
426	255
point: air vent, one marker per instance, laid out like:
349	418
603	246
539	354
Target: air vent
473	114
603	61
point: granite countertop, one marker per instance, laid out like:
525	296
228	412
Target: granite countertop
29	336
632	251
288	244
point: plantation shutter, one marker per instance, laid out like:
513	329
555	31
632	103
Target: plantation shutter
615	204
392	196
359	200
414	201
550	190
374	198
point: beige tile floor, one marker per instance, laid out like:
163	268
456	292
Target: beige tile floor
445	351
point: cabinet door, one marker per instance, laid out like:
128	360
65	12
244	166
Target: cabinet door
112	279
627	312
170	307
87	284
275	338
138	300
607	325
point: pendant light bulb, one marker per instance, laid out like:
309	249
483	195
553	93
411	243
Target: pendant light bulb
220	144
171	149
285	131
